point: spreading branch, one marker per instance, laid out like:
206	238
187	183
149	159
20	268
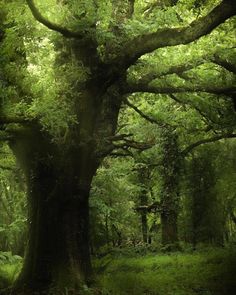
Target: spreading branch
52	26
176	69
224	63
133	87
142	114
187	150
146	43
206	118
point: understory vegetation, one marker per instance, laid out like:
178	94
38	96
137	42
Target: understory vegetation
206	271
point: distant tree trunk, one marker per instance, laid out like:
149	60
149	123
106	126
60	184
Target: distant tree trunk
144	226
169	227
143	176
169	172
144	202
207	217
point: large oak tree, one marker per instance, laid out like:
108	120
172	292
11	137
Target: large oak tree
60	130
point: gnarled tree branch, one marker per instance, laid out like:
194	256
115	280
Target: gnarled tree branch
52	26
142	114
133	87
140	45
176	69
224	63
188	149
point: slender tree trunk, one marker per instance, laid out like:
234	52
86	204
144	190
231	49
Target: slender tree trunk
143	202
169	227
144	226
143	176
169	172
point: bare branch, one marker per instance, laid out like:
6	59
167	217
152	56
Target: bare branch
143	44
52	26
207	140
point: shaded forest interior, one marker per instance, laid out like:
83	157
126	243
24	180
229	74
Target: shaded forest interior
117	147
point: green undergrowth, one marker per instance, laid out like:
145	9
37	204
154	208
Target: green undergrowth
206	272
8	273
10	266
202	272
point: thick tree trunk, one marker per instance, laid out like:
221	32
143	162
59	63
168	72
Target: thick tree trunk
58	251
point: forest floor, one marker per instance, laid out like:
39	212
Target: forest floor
208	272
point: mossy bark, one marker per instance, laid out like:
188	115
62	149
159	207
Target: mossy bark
58	251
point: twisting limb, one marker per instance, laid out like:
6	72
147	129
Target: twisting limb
205	118
132	87
176	69
224	63
143	115
207	140
52	26
146	43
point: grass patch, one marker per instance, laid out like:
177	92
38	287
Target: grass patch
205	272
208	272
